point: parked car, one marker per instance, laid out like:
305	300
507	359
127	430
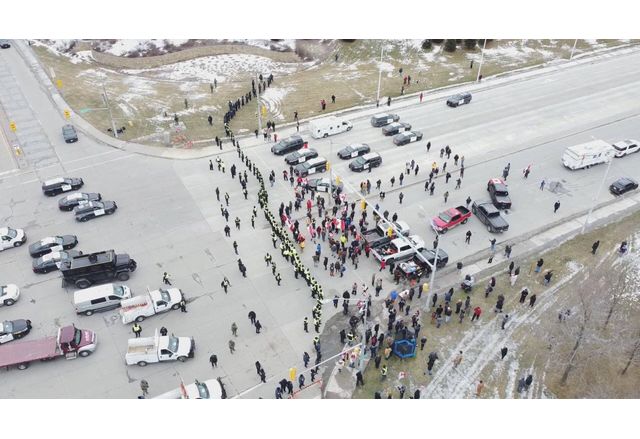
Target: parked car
382	119
623	185
407	137
322	184
625	147
367	161
14	329
59	185
51	261
499	193
11	238
52	243
9	294
459	99
354	150
288	144
72	200
489	215
301	156
5	44
69	134
395	128
92	209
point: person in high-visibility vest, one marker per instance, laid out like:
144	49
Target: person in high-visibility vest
383	371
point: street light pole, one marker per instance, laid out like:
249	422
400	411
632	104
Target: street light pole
595	199
106	102
573	49
481	59
379	76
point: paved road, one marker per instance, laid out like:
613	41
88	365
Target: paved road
169	220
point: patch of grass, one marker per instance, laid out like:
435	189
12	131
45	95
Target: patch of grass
542	345
353	80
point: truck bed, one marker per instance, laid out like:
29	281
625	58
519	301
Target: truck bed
27	351
136	306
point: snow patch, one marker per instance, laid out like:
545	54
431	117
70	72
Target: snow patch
126	47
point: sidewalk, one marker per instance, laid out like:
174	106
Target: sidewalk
359	112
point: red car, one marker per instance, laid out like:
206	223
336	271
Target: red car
450	218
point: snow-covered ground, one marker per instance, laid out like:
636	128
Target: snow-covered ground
220	67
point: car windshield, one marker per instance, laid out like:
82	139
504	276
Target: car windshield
118	290
77	337
12	233
51	240
444	217
203	391
7	327
51	256
173	344
349	149
165	295
54	181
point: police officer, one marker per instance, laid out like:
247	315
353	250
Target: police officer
305	324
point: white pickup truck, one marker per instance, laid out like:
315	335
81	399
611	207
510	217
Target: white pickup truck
398	250
145	350
154	302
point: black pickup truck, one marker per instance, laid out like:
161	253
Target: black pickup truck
490	216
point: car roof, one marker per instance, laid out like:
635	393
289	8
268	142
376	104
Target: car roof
370	155
497	181
487	205
50	239
54	181
625	180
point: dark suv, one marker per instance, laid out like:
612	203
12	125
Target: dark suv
69	133
459	99
289	144
59	185
85	270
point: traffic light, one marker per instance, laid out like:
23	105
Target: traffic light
59	83
13	127
67	114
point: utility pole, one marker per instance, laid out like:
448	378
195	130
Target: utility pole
573	49
105	98
331	182
259	106
481	59
379	76
595	199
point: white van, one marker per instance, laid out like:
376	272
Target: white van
587	154
328	126
100	298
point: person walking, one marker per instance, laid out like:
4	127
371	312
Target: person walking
183	306
165	279
479	389
458	183
532	300
306	358
556	206
523	295
235	247
164	331
359	379
539	264
258	326
252	317
594	247
503	352
137	330
232	346
144	386
305	325
400	197
234	329
504	321
468	238
446	196
213	359
423	341
542	183
433	356
300	381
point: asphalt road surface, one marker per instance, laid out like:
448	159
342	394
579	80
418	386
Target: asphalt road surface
169	220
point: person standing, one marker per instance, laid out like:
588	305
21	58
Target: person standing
306	358
234	329
532	300
446	196
504	320
183	305
252	317
305	325
165	279
479	389
144	386
457	360
423	341
539	264
503	352
359	379
258	326
232	346
468	237
137	329
556	206
433	356
213	359
301	381
594	247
